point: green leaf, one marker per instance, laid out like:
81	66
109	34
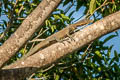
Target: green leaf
109	51
34	4
116	67
116	56
92	65
23	51
113	59
99	69
114	7
61	71
5	23
53	27
98	3
98	54
109	38
56	16
92	6
57	77
47	22
71	13
106	61
65	17
16	10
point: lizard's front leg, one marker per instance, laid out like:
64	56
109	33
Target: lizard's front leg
70	32
68	35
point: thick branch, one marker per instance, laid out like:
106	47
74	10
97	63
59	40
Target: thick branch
26	29
56	51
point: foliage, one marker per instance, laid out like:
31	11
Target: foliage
92	63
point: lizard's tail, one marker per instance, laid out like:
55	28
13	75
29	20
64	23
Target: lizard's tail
36	48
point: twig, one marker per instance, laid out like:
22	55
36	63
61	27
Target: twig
48	68
20	18
36	40
30	78
41	33
20	9
84	54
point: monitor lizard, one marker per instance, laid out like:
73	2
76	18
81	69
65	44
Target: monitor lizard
57	36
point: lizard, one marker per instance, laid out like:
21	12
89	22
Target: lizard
57	36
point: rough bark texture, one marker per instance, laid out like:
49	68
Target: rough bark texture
16	74
26	29
56	51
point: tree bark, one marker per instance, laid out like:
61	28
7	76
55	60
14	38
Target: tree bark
58	50
26	29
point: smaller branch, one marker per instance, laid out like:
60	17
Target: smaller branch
41	33
48	68
84	54
20	18
87	56
20	9
30	78
36	40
